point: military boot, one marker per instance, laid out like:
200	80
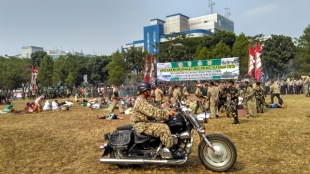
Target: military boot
236	120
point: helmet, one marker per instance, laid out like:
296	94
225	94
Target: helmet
143	86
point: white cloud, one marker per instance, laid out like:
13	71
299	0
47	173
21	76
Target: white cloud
263	10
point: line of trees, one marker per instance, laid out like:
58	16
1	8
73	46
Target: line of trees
282	56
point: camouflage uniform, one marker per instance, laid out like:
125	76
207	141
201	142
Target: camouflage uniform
248	102
141	115
259	93
213	96
275	91
233	105
199	96
222	100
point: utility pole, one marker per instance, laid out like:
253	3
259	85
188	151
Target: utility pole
211	4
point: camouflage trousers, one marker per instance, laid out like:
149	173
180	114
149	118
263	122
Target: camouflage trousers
213	108
249	107
233	108
223	104
260	101
116	102
160	130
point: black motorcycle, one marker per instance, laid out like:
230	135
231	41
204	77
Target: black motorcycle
128	147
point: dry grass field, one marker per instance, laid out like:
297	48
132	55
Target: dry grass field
68	141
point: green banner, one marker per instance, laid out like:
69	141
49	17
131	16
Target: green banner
213	69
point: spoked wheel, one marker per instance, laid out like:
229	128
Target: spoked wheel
223	158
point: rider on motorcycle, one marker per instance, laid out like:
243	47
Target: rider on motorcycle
142	114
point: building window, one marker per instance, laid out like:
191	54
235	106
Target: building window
148	37
154	36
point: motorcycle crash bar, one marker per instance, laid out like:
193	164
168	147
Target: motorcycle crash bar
142	161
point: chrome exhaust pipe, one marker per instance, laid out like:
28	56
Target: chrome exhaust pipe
142	161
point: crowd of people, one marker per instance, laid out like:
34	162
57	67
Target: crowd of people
216	96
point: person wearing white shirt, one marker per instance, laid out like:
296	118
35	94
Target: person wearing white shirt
47	106
55	105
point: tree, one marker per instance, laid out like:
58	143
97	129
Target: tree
302	62
221	50
241	50
59	70
179	47
277	52
70	80
15	72
204	54
227	37
36	58
134	59
116	68
97	68
45	71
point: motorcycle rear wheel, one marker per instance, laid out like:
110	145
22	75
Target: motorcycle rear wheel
226	157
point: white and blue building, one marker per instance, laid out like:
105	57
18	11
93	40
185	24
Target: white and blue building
179	23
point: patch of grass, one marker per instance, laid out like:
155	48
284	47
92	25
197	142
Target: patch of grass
68	141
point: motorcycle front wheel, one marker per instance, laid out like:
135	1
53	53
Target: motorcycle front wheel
225	156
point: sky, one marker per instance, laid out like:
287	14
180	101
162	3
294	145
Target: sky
103	26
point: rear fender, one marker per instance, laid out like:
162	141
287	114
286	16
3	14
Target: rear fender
107	150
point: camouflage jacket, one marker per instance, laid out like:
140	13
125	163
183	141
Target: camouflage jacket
222	96
234	94
248	93
259	92
144	112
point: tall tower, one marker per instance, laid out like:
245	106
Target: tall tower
211	4
227	12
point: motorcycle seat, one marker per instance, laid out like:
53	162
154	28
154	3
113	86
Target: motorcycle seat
139	138
125	127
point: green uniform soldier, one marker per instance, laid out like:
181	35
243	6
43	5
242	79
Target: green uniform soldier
248	100
232	98
199	98
159	94
275	91
184	93
213	96
142	114
259	93
223	99
176	93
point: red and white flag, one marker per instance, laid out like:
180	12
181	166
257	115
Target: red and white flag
34	75
251	61
152	69
258	64
145	68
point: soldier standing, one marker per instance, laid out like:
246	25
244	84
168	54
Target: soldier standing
222	99
213	96
275	91
290	87
199	98
117	100
143	111
248	100
176	93
233	97
159	94
260	97
184	92
170	91
267	87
